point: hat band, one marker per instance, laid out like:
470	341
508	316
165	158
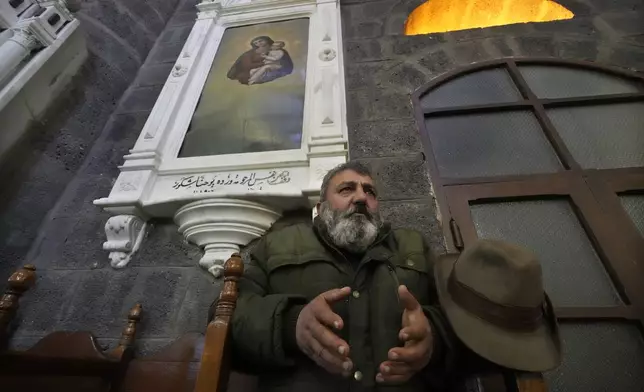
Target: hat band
504	316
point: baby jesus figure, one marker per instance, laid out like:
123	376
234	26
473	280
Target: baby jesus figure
272	61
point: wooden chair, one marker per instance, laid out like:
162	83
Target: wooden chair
69	361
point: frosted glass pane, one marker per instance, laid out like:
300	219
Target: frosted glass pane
557	82
599	357
603	136
573	273
482	87
634	206
490	144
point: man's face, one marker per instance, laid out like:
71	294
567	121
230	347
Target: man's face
350	212
348	188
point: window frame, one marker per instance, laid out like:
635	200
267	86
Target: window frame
593	193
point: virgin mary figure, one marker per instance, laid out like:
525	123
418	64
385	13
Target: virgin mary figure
255	58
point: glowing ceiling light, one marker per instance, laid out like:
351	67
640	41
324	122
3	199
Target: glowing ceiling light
436	16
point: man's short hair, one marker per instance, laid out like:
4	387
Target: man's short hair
355	166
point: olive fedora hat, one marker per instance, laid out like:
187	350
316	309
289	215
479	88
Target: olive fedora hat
493	296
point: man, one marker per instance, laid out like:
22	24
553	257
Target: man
347	304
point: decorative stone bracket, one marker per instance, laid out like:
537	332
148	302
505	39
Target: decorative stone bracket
220	226
124	236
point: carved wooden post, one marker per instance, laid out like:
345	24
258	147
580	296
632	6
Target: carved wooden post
19	282
213	373
129	332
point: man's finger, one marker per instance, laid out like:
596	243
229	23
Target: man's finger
330	341
394	368
409	354
325	316
335	295
332	363
414	332
407	299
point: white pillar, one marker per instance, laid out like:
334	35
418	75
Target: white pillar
16	49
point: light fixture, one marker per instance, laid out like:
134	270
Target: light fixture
437	16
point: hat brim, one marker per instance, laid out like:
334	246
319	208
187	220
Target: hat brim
534	351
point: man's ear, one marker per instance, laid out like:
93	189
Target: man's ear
317	208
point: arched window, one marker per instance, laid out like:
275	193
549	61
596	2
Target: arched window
550	155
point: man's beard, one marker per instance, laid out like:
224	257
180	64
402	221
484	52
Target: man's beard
354	229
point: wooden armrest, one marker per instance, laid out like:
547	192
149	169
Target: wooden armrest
510	380
19	282
215	369
530	382
71	353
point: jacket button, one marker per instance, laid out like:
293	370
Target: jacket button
410	262
356	294
357	375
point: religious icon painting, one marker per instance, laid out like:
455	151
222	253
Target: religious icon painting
253	99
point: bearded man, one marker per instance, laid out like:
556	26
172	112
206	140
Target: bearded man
347	304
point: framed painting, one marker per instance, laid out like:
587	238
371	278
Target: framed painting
262	69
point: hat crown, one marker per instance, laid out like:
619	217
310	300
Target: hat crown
503	273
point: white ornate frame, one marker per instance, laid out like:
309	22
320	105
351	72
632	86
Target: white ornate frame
222	202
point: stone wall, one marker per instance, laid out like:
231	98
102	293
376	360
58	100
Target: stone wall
383	67
47	215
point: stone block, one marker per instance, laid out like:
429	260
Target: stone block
616	5
395	24
44	305
358	105
98	304
80	194
436	63
420	215
202	291
183	18
412	45
139	99
480	33
407	76
175	34
164	54
578	7
73	243
627	56
110	48
536	46
577	50
153	75
575	26
165	8
498	47
119	136
363	30
33	192
390	105
164	246
363	50
364	75
146	14
161	292
383	139
471	52
625	23
118	20
401	177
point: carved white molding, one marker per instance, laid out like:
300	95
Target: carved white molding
124	236
154	182
221	226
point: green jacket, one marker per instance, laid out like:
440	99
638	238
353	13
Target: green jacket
291	266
